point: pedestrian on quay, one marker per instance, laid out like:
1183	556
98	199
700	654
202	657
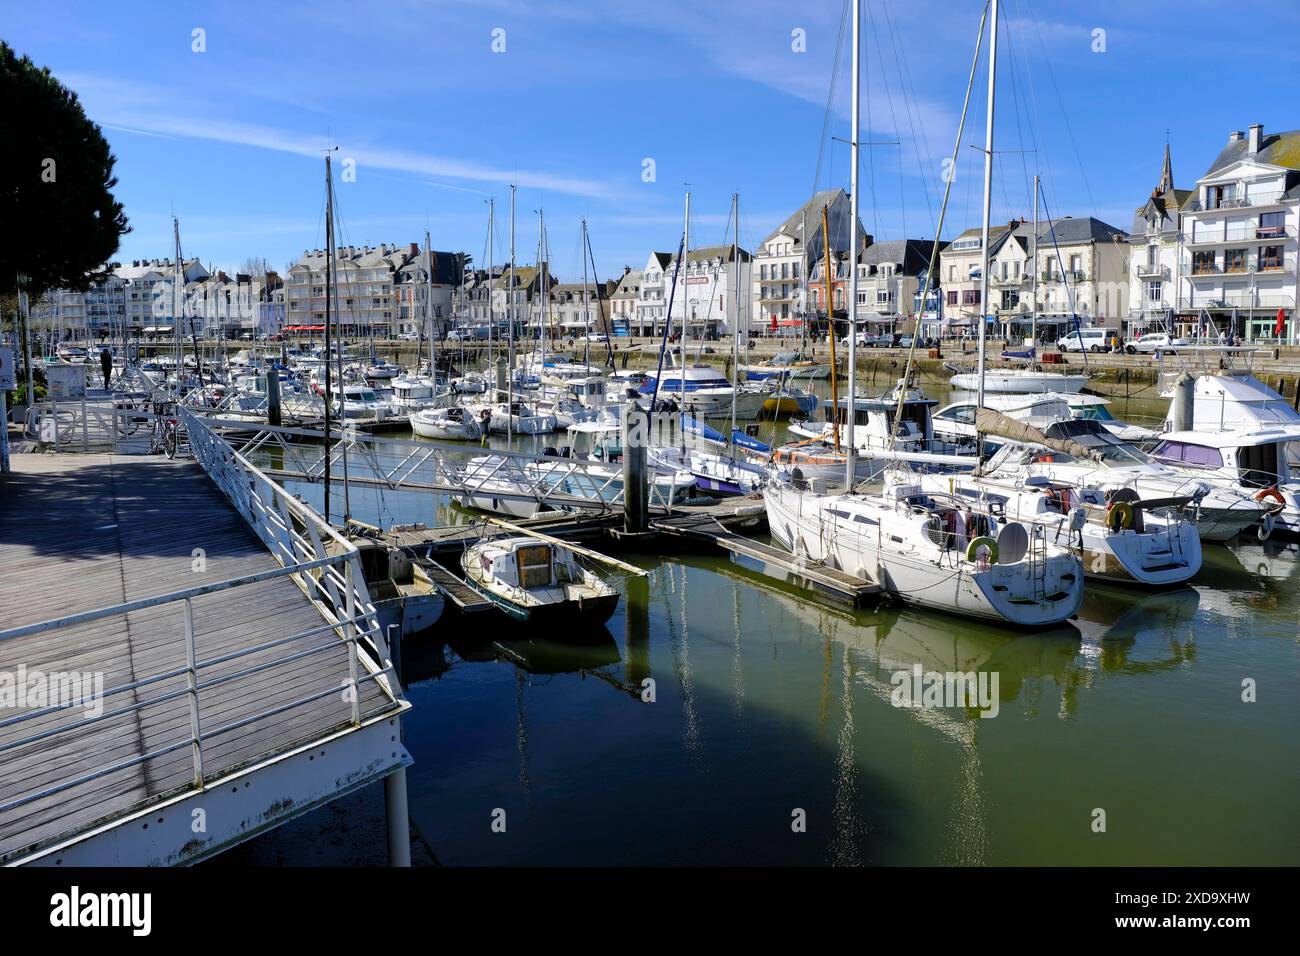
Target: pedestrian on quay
106	365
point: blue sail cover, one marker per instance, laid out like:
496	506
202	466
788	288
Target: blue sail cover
710	434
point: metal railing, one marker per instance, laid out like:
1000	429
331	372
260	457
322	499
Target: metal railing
324	564
472	472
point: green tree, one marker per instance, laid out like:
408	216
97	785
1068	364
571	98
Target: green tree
59	222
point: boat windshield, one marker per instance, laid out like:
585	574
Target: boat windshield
1091	435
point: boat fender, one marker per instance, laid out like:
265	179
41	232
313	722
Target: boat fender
982	543
1119	516
1273	493
1078	518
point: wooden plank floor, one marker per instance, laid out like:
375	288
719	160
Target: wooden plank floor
83	531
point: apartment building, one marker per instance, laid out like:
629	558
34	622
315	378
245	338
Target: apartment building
959	274
1155	245
890	276
517	297
150	300
1075	269
1237	270
652	304
365	293
703	293
416	297
623	301
782	260
577	309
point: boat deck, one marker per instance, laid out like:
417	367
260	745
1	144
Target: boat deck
82	532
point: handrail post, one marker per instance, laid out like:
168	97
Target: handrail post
350	633
192	679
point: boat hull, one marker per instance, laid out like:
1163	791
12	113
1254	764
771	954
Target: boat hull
1011	383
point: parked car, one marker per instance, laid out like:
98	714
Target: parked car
1152	342
407	337
1091	340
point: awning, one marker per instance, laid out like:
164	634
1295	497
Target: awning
304	328
157	328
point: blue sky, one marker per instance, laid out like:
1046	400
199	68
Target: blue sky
232	139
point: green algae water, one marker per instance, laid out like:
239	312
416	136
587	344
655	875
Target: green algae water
1159	728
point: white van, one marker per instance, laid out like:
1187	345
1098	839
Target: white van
1093	340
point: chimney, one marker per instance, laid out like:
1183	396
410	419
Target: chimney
1235	136
415	249
1256	139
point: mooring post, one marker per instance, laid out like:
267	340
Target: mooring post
1184	403
399	821
636	434
273	417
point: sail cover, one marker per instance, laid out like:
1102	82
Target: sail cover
990	422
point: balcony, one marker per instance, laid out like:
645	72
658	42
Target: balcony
1271	197
1145	270
1241	300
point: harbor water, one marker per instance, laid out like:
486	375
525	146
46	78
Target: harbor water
724	717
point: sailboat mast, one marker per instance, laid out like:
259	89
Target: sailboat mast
544	264
329	275
853	247
492	285
586	313
830	325
512	290
735	325
686	304
178	305
988	194
1033	296
428	312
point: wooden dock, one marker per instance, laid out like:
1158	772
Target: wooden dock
460	594
814	575
82	532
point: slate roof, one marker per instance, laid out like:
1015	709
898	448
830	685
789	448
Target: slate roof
1277	149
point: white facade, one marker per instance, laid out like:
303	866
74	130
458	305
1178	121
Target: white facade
1237	267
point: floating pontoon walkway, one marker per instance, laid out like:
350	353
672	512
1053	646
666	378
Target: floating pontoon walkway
134	555
814	575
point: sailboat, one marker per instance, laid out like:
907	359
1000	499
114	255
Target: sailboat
1120	538
934	551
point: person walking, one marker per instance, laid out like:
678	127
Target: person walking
106	365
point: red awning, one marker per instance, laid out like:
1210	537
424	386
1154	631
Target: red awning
304	328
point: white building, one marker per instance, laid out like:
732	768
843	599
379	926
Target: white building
652	304
702	293
1239	229
623	303
150	299
1155	245
365	296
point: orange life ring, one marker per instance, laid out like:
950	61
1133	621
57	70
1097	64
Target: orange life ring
1273	493
1048	459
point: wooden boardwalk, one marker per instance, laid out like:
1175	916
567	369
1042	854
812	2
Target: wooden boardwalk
80	532
832	582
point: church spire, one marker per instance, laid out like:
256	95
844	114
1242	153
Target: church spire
1167	171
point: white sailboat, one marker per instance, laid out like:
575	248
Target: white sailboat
925	550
